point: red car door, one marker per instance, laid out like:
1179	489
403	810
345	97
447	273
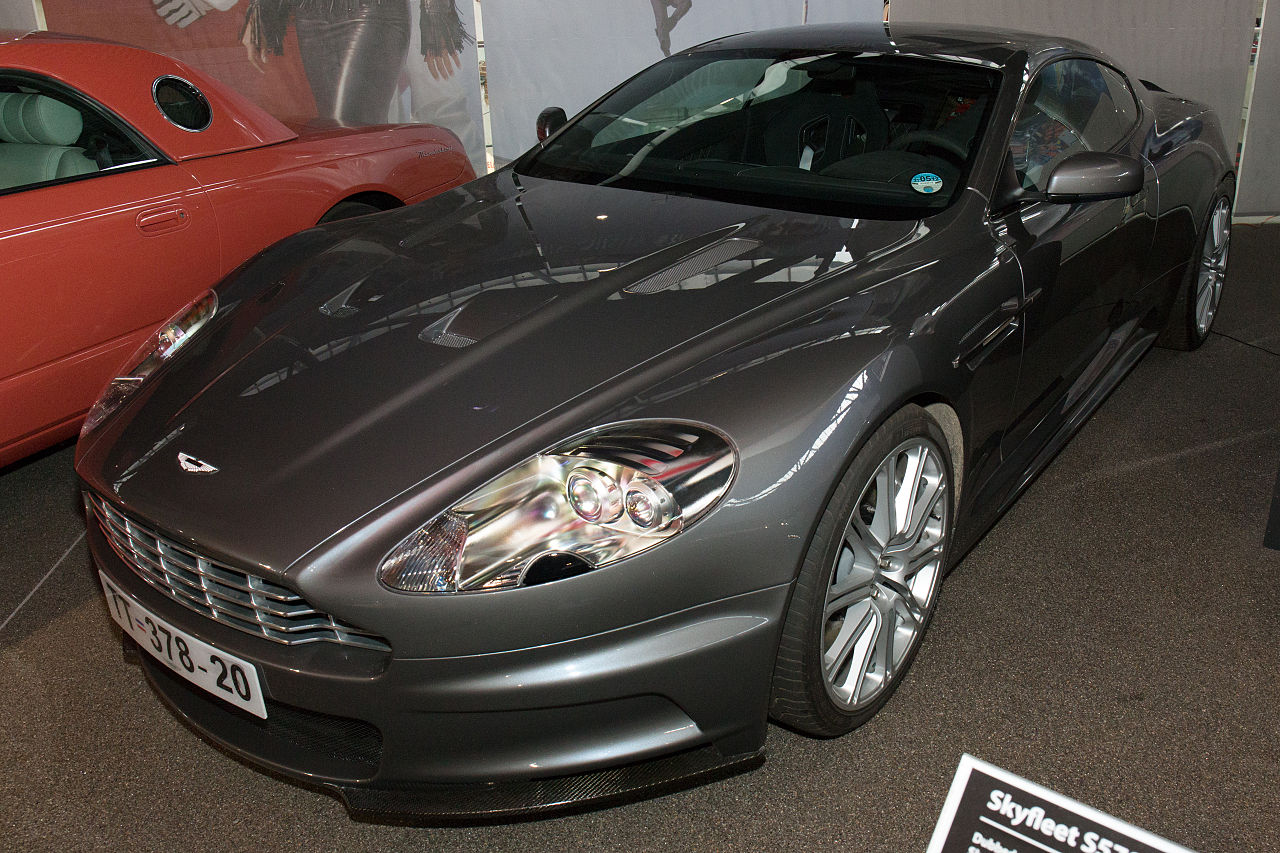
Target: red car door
101	239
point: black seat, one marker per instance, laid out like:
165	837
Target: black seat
823	124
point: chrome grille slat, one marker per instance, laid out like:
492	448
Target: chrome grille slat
244	601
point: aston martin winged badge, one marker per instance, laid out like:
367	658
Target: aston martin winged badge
192	465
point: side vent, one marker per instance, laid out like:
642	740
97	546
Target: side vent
698	262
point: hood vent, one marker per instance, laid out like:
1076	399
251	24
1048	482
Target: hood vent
698	262
438	332
484	314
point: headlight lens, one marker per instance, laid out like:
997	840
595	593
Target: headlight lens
157	349
594	495
588	503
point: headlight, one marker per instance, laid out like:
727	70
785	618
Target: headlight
156	350
607	495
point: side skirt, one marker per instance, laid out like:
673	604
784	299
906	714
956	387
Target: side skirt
1087	404
1026	463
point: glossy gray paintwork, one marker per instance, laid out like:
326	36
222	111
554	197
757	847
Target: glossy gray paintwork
1095	176
340	423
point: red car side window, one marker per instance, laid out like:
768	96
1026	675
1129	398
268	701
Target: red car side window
47	135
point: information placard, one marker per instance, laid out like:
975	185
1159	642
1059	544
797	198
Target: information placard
990	810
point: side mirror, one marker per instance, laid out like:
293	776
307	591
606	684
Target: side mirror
1094	176
549	121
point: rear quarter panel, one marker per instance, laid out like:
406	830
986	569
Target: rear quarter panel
1186	146
268	193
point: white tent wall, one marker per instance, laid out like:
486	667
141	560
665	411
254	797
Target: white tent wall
19	14
1259	192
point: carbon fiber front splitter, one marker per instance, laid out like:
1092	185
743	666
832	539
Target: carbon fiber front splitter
537	798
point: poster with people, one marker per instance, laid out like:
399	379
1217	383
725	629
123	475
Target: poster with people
567	53
340	62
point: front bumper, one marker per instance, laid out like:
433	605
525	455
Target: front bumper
633	712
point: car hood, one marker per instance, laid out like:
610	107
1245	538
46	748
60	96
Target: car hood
356	362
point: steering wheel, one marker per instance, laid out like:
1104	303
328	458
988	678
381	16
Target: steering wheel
934	138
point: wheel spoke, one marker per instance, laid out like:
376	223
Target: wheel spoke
850	649
859	541
882	522
904	498
845	595
918	561
934	492
884	647
1204	299
910	612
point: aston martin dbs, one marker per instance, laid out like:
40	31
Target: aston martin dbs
555	488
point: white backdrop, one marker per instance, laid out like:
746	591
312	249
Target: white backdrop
18	15
567	53
838	11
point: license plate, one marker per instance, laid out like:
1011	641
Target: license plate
226	676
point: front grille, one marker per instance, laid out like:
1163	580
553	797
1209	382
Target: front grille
220	592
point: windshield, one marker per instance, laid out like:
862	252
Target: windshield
841	133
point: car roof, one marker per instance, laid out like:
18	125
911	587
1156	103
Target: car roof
125	89
993	48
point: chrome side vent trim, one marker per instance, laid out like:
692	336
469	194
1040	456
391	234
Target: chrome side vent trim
698	262
438	332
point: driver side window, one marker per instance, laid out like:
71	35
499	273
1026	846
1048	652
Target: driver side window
47	135
1074	105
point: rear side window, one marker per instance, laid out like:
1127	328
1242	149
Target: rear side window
182	103
1073	105
49	134
1126	106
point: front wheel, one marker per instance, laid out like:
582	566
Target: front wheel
870	579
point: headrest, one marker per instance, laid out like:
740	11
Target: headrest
38	120
22	165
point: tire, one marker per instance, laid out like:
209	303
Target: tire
837	664
1200	293
348	209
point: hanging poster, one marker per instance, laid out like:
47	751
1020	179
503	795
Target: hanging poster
347	62
567	53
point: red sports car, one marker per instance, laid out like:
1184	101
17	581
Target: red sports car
130	182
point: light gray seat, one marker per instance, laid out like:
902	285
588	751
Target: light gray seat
37	140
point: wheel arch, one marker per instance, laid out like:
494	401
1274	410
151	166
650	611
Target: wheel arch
375	198
945	414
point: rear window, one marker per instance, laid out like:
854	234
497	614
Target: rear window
182	103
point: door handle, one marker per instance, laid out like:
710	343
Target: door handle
162	220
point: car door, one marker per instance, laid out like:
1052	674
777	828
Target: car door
101	239
1081	262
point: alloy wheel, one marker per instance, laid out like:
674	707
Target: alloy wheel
1213	266
886	574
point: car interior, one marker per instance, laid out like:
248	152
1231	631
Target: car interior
45	136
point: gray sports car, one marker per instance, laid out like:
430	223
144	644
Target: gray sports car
555	488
